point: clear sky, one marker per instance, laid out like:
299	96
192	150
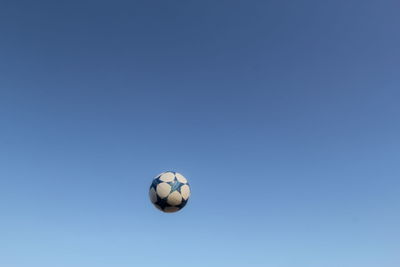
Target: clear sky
283	115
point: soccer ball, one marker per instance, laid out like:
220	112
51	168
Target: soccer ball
169	191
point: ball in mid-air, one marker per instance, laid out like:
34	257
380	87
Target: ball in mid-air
169	191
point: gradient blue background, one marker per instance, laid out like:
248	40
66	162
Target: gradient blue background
284	115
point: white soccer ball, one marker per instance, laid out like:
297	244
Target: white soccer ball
169	191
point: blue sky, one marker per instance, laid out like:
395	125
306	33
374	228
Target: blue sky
283	115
